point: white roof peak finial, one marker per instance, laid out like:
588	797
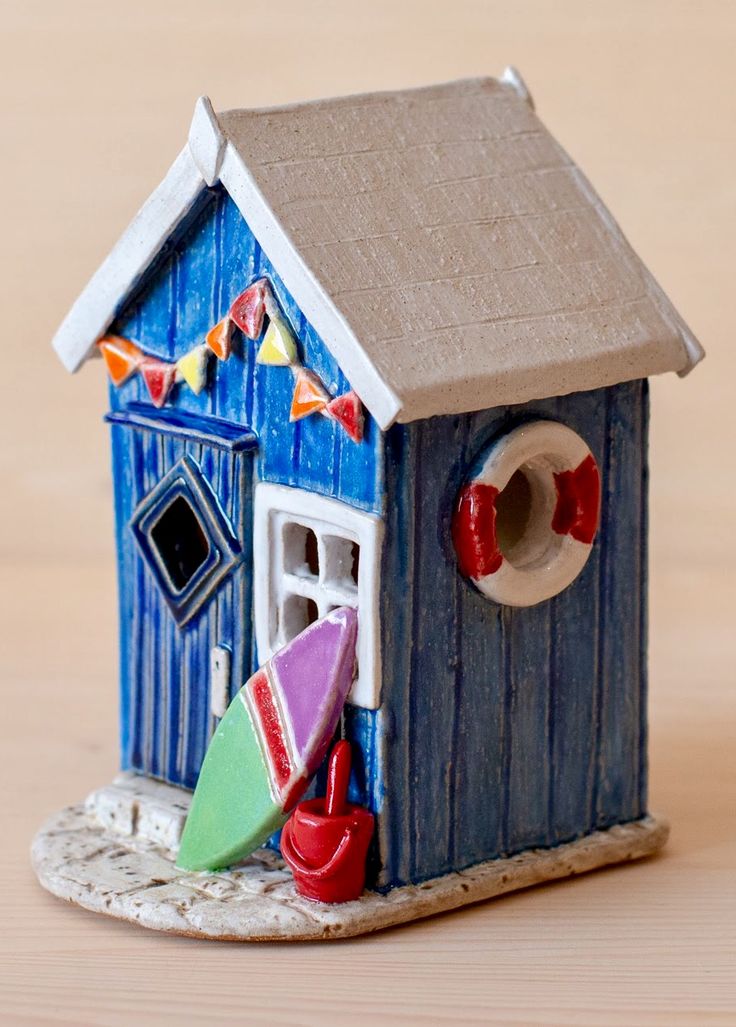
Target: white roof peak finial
206	141
511	77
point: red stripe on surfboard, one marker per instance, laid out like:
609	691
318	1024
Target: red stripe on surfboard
271	727
294	794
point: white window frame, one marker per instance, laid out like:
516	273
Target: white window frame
276	507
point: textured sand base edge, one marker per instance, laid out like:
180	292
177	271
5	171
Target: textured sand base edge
78	860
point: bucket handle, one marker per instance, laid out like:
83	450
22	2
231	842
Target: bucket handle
293	856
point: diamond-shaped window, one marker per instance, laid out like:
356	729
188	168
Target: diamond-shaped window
181	542
185	539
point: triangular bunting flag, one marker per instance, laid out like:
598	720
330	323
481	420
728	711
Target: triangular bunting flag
248	309
122	357
219	338
309	396
347	410
192	368
159	377
279	345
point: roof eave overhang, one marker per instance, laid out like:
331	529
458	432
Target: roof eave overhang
210	157
308	294
206	159
128	260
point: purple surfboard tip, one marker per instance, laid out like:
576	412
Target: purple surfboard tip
346	616
315	673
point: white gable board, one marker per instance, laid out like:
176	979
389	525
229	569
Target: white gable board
443	245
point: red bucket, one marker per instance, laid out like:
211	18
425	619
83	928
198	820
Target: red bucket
326	841
327	853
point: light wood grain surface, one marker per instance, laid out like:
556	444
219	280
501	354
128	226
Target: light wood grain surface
96	102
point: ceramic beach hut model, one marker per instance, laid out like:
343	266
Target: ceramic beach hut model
384	354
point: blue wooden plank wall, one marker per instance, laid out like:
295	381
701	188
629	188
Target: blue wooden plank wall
165	723
206	268
508	728
501	728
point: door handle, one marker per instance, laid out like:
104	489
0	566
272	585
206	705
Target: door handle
220	658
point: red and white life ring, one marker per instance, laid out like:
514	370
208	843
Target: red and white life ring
558	502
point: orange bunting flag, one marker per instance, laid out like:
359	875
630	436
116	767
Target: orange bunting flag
122	357
309	397
159	377
248	309
347	410
219	339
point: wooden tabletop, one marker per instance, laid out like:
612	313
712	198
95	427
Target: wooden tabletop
97	101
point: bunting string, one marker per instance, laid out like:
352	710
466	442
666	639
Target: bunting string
253	309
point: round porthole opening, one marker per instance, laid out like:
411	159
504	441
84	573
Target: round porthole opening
525	521
513	513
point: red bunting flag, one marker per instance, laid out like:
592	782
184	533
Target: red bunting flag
279	347
309	396
159	377
347	410
248	309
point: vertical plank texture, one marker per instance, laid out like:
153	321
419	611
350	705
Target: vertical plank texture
511	727
166	723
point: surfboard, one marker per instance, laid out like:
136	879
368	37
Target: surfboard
269	744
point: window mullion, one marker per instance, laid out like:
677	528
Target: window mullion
309	588
312	554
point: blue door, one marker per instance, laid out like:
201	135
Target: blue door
183	521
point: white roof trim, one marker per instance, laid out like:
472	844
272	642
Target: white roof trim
206	141
512	77
206	155
211	156
131	257
311	299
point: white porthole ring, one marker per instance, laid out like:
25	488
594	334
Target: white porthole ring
561	495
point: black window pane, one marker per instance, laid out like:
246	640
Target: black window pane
312	612
355	561
180	541
311	553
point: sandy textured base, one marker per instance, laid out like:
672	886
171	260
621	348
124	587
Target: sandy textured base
133	879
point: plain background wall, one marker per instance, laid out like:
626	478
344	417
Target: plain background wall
97	99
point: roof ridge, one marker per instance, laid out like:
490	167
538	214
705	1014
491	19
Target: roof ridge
377	95
404	166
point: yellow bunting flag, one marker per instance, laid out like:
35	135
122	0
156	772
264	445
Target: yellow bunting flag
309	396
122	357
279	345
192	368
219	338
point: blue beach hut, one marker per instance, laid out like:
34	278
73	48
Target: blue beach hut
391	352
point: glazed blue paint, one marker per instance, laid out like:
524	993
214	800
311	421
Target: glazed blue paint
166	722
237	431
510	728
500	728
190	292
